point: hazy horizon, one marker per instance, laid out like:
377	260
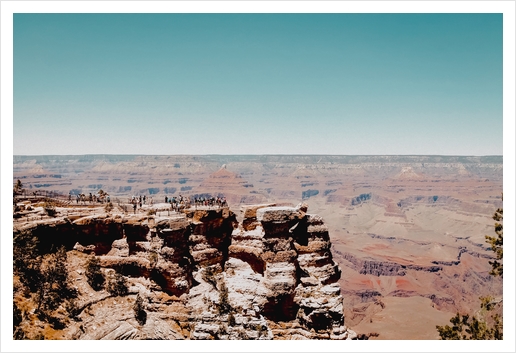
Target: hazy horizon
260	154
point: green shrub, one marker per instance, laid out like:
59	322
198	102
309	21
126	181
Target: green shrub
209	276
153	258
117	285
45	279
242	335
55	287
49	208
27	260
470	328
231	319
481	326
19	334
224	307
139	310
72	309
93	274
17	319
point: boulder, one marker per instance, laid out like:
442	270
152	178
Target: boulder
119	247
249	211
278	214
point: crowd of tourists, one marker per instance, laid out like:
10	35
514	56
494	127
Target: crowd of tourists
211	201
91	198
177	204
140	201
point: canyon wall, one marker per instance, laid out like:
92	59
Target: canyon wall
202	274
407	231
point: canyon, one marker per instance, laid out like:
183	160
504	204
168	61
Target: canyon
407	233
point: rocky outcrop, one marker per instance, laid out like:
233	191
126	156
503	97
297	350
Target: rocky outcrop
205	276
280	267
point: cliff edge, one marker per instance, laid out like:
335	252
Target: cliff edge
199	274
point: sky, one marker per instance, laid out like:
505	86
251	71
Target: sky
415	83
356	84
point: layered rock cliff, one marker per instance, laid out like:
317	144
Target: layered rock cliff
202	274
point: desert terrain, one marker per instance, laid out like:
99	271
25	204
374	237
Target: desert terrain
407	231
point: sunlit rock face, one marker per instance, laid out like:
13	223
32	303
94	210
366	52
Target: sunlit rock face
280	267
203	275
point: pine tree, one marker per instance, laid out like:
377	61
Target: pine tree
93	274
497	244
18	187
139	310
117	285
473	328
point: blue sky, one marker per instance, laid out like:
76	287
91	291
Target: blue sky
258	84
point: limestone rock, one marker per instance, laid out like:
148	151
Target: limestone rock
204	277
249	211
85	249
303	207
277	214
119	247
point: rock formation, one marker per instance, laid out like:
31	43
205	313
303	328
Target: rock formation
202	274
411	225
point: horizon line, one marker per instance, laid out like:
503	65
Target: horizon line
261	154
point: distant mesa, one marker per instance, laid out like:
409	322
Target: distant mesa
223	173
463	171
407	173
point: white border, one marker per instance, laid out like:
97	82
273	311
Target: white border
9	7
258	6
